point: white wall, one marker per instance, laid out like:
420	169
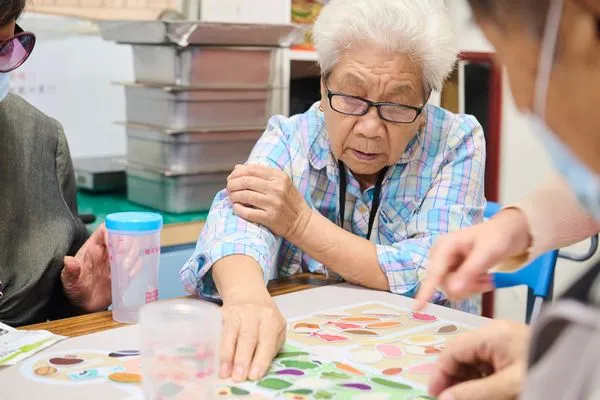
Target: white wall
524	164
70	76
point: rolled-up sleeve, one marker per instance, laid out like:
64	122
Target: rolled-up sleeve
455	200
226	234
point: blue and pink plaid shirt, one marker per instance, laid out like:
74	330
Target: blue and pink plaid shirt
436	187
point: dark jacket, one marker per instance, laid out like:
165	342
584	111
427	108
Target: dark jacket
38	214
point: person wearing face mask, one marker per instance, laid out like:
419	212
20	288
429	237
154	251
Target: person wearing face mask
49	266
551	49
358	186
563	211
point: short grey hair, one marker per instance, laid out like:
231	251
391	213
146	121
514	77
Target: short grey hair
418	28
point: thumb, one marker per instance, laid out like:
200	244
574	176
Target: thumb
503	385
71	270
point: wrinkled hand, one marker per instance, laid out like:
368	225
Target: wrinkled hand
253	334
266	196
459	262
86	277
486	364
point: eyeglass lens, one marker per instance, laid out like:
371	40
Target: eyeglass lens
354	106
15	51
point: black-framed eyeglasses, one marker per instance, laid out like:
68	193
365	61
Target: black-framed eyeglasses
16	50
354	105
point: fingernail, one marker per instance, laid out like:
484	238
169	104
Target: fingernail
446	396
225	370
238	373
254	374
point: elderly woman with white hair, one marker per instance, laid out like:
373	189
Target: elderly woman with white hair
359	186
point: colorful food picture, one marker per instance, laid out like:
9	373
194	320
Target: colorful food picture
181	372
298	375
365	351
120	366
339	328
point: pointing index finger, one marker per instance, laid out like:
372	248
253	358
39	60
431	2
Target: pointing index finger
438	268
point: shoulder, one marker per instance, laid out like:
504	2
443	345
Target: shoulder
301	134
444	124
446	133
304	127
29	122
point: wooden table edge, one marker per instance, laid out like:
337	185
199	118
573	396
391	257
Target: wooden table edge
181	233
101	321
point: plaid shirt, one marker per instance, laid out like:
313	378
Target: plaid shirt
436	187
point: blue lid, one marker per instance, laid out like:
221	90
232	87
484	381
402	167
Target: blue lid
134	221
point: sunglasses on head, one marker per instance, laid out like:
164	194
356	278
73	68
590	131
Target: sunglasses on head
15	50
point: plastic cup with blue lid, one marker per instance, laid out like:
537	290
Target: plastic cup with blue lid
134	251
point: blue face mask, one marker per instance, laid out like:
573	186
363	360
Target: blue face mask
584	183
4	84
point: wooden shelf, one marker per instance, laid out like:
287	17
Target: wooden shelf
303	55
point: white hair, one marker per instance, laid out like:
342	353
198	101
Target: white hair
419	28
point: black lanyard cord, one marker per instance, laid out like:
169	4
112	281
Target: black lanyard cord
376	196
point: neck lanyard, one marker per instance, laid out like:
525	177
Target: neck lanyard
376	196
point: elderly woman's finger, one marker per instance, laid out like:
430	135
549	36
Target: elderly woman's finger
229	337
245	348
248	183
250	199
100	236
259	171
251	214
267	348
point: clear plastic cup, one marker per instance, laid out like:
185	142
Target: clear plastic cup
134	251
180	340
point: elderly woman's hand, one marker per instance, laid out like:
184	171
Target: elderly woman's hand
253	333
266	196
253	327
86	276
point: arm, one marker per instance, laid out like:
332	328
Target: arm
239	274
66	180
233	259
553	217
225	234
399	268
350	256
546	219
60	306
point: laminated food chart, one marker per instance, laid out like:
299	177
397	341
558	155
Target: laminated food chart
365	351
